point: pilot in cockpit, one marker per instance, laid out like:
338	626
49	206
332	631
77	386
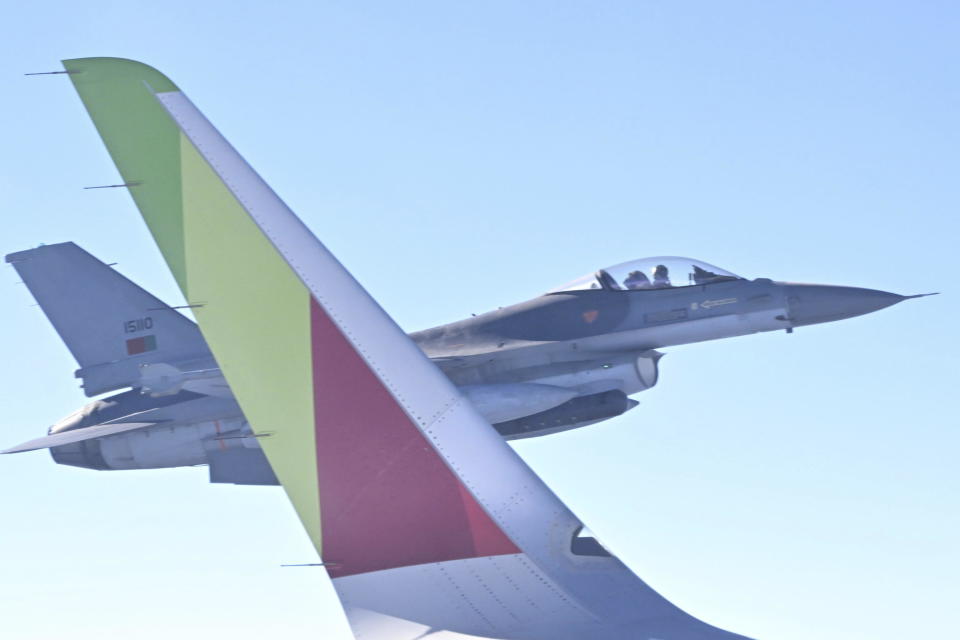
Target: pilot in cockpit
637	280
661	277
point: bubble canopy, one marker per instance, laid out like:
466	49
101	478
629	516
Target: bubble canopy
659	272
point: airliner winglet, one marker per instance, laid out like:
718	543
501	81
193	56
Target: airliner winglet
427	521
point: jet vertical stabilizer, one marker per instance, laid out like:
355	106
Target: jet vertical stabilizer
109	324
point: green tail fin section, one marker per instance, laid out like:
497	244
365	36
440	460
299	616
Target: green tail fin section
252	309
142	140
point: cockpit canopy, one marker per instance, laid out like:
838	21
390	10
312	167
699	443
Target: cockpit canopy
661	272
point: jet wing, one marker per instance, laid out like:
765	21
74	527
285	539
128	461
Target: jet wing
77	435
427	521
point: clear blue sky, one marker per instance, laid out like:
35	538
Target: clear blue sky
462	156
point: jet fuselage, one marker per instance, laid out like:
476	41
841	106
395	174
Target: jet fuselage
562	360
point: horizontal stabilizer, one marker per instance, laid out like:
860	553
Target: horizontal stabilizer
240	466
77	435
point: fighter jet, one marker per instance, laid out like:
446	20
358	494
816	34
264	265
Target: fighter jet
563	360
428	523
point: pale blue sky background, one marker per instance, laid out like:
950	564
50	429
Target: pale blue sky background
462	156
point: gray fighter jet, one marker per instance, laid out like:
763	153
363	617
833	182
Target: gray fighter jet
566	359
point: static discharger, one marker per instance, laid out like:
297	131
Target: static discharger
265	434
135	183
49	73
179	306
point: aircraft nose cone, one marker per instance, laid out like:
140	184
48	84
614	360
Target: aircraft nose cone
814	303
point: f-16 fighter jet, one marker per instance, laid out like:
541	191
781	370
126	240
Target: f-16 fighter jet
428	523
566	359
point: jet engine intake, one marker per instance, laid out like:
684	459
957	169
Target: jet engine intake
503	402
569	415
629	374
